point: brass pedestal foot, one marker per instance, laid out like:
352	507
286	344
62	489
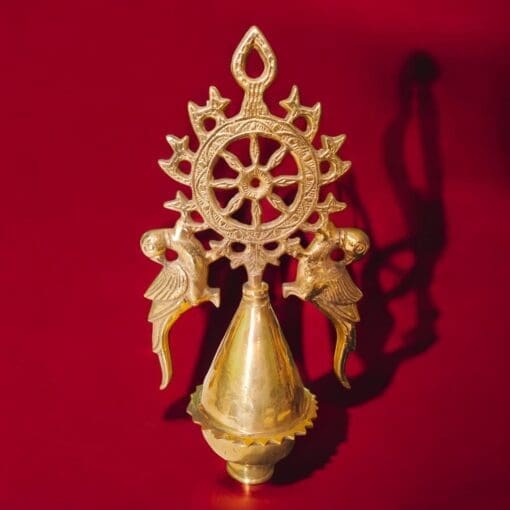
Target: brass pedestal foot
250	474
253	404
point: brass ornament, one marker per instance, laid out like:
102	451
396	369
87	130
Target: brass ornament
253	403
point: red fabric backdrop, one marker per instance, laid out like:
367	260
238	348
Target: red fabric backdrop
90	90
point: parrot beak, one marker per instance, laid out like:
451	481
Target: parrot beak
348	258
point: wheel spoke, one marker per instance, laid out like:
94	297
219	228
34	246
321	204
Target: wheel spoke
286	180
233	204
225	183
276	158
256	212
232	161
254	149
277	203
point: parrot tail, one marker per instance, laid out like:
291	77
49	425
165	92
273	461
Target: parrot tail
161	348
163	316
345	344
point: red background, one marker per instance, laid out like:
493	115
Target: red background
91	88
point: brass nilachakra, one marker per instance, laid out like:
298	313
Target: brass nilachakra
253	403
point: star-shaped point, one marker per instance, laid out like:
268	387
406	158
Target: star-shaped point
332	144
180	146
292	103
216	102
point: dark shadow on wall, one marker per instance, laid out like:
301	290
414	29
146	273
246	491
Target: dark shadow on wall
425	239
423	213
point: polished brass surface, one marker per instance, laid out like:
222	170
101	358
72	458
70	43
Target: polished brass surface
252	403
180	285
327	284
253	393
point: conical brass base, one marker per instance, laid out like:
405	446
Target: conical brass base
252	403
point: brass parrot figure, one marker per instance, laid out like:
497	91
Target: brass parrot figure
328	285
180	285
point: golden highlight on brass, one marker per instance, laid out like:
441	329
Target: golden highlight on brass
252	403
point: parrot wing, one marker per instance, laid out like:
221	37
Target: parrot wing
340	290
170	284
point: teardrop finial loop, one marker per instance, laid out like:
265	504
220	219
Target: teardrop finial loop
254	87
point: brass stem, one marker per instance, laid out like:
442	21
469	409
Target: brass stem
255	280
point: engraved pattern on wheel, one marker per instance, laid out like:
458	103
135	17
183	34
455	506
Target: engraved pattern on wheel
292	216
